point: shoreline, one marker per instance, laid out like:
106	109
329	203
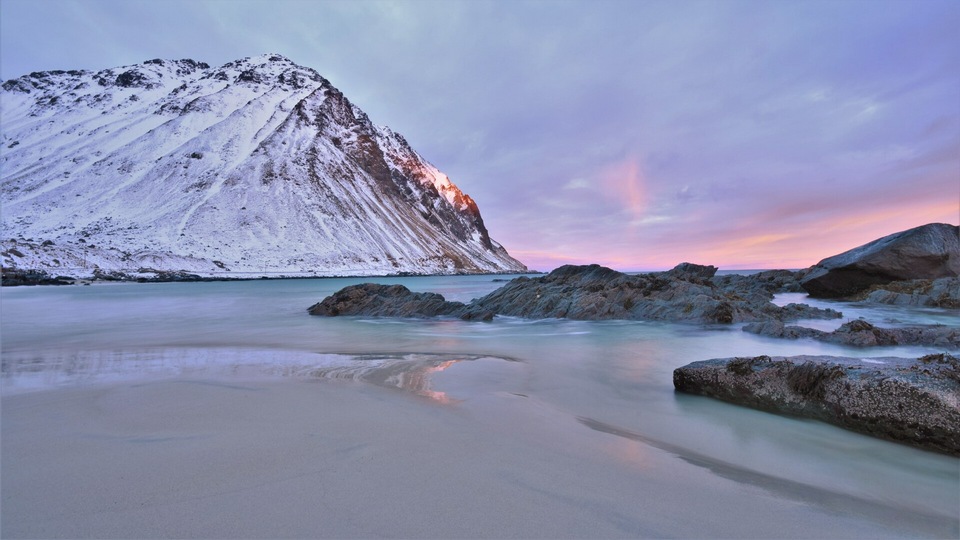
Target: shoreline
131	277
189	277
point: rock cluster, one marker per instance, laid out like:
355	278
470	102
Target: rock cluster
914	401
942	293
768	281
18	276
860	333
687	293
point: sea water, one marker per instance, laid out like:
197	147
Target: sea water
612	376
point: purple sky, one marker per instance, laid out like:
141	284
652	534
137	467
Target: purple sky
635	134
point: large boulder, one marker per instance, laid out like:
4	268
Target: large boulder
913	401
927	252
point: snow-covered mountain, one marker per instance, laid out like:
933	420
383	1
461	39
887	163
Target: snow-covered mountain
259	166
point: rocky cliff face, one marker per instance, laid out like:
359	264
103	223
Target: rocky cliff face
257	166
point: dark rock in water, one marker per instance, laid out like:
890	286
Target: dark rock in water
860	333
792	312
942	293
768	282
926	252
693	270
913	401
384	301
12	277
373	300
686	293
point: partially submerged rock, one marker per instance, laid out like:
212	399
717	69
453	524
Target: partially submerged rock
376	300
686	269
927	252
596	293
686	293
767	282
913	401
941	293
860	333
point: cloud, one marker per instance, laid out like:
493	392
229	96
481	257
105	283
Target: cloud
577	183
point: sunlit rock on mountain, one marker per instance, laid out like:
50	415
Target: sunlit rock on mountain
257	166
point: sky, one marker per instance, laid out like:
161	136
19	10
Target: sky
632	134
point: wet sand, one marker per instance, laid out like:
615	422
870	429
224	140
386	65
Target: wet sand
217	456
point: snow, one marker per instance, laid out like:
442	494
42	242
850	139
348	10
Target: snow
260	165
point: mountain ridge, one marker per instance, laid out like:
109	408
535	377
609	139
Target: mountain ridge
256	166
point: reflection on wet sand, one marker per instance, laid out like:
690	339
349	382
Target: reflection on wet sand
410	372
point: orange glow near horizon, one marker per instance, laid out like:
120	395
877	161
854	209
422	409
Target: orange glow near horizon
762	246
829	236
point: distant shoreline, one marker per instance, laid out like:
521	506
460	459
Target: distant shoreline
31	278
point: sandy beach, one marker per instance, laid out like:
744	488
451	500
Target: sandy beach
238	456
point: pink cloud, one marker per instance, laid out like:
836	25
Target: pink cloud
624	183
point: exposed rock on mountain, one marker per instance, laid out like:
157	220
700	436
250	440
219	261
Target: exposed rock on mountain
258	166
927	252
686	293
911	401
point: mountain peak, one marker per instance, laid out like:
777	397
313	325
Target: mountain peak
256	166
270	57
